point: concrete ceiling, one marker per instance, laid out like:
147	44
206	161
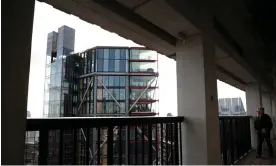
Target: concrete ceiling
162	15
158	24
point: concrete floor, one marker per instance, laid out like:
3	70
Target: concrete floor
251	159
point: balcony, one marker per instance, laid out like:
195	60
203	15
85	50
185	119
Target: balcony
101	141
124	140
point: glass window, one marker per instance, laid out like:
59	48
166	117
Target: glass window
109	107
143	67
100	53
106	53
105	110
134	54
100	78
111	65
122	110
116	108
111	81
105	82
99	94
99	107
100	65
111	53
91	111
106	65
117	67
105	94
123	54
143	54
122	81
112	92
122	94
117	54
116	80
123	66
117	94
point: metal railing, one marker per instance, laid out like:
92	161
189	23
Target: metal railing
136	140
235	138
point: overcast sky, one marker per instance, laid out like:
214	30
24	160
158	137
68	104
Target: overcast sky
47	19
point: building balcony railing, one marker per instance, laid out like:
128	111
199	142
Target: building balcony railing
235	138
124	140
104	140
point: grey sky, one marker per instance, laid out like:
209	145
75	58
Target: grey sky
47	19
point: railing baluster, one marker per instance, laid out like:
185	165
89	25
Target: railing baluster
128	139
224	146
43	147
161	139
110	146
176	144
167	147
156	144
120	145
143	145
136	147
150	143
75	146
61	145
248	134
172	147
180	133
237	139
87	146
99	146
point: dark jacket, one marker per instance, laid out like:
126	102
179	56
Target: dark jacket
263	122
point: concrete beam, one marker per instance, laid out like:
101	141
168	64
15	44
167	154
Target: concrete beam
94	13
129	15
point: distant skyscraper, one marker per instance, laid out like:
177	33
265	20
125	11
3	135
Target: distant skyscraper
231	106
59	45
28	114
65	41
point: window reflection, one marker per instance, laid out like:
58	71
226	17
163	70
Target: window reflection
143	55
111	60
143	67
142	81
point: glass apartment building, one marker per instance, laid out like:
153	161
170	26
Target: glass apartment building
114	81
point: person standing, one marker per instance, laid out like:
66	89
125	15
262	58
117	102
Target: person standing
263	126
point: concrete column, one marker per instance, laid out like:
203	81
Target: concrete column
197	101
16	45
274	116
267	104
253	102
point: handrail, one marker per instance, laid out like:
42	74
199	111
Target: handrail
34	124
234	117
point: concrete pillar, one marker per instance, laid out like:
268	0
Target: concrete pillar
253	102
197	101
16	45
267	104
274	116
